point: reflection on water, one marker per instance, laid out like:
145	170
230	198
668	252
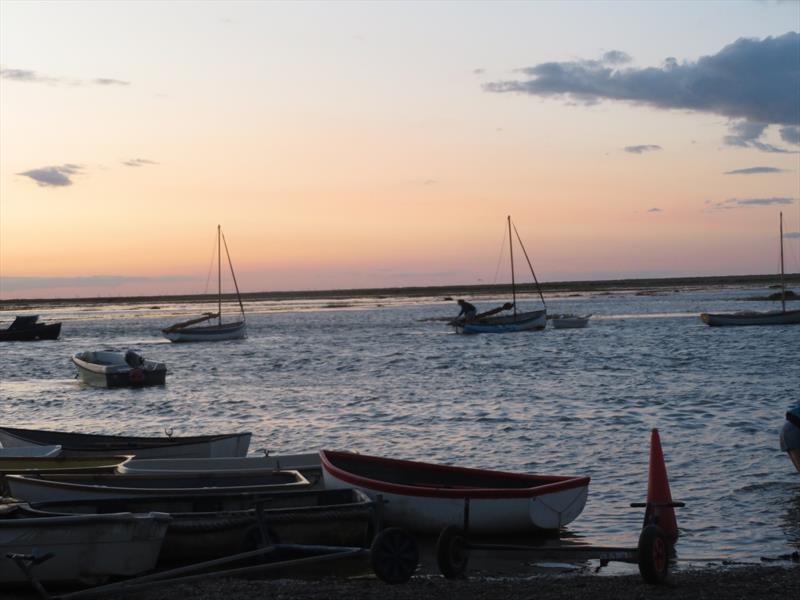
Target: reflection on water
394	380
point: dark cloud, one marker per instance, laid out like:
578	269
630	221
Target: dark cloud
791	134
738	203
13	284
654	210
642	148
138	162
756	81
53	176
616	57
754	171
745	134
28	76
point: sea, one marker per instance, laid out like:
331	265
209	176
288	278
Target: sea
388	376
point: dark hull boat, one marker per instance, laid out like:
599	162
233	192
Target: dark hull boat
28	329
207	526
428	497
87	444
115	369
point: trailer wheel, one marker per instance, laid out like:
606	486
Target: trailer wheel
452	552
394	555
654	553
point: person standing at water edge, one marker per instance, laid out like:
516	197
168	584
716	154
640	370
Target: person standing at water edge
468	310
790	436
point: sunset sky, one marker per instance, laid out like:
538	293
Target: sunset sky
382	144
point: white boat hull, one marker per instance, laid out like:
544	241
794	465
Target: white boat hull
210	333
86	548
569	322
243	465
789	317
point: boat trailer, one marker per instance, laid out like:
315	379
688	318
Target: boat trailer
652	554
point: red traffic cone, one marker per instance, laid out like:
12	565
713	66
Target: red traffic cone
659	500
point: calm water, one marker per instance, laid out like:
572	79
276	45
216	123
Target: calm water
388	377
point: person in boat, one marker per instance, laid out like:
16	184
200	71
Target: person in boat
790	436
471	313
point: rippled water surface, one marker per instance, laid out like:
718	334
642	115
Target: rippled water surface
388	377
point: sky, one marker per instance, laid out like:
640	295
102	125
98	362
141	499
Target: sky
382	144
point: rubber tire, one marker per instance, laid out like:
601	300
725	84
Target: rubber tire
394	555
452	552
654	554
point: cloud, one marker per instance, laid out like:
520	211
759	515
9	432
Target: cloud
792	235
791	134
53	176
745	134
138	162
28	76
642	148
738	203
654	210
754	171
478	71
755	81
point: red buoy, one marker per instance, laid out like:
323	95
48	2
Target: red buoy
659	500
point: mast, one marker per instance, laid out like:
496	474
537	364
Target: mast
511	252
783	282
219	275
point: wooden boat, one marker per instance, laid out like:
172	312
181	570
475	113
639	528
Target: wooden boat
570	321
41	488
32	451
207	526
88	444
428	497
118	369
56	465
86	549
307	464
790	436
28	329
518	321
191	331
773	317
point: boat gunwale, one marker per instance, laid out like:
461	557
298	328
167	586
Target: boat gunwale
556	483
103	442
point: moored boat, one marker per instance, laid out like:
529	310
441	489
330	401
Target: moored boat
56	465
210	526
790	436
428	497
86	549
570	321
28	329
32	451
118	369
89	444
41	488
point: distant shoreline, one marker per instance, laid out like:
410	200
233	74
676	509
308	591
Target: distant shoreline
449	291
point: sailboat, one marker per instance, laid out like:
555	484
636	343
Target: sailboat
773	317
518	321
193	331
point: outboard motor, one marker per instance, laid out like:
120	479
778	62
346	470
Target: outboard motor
134	360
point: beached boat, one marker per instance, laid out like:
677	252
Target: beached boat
208	526
32	451
85	549
56	465
28	329
570	321
790	436
517	321
192	331
307	464
118	369
41	488
428	497
750	317
88	444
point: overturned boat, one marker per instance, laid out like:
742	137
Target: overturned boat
118	369
427	497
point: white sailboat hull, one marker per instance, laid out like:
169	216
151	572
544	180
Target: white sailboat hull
209	333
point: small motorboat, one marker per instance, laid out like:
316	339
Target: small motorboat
28	329
90	444
42	488
570	321
427	497
85	549
208	526
32	451
118	369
